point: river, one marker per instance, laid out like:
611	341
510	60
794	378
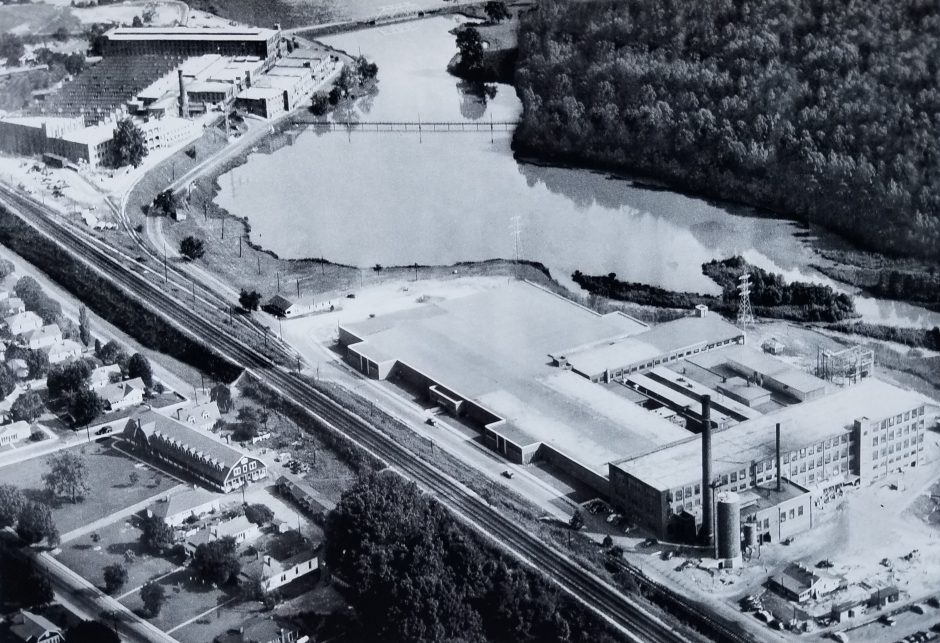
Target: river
366	198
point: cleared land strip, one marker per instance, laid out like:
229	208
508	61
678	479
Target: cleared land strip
606	601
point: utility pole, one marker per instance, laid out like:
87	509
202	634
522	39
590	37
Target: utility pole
259	263
194	294
239	247
298	289
205	210
278	273
745	313
165	276
223	227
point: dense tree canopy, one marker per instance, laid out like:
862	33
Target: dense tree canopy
67	475
823	109
130	148
417	575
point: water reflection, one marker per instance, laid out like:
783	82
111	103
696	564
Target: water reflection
474	96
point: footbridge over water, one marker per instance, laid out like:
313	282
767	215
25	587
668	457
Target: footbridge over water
417	126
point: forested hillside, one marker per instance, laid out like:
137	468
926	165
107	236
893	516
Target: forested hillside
825	110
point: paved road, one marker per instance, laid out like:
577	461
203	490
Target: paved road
91	600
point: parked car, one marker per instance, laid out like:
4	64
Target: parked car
824	564
887	619
649	542
508	474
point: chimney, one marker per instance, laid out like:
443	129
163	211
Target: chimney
778	456
707	519
184	103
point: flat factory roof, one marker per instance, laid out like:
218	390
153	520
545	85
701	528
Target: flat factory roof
260	93
660	339
92	135
766	495
190	33
754	440
493	348
753	360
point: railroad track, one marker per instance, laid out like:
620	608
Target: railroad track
623	612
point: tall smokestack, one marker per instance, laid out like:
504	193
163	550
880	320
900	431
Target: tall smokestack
778	456
184	103
707	519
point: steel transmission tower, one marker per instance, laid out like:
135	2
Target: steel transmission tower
745	313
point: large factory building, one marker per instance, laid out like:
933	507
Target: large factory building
190	41
623	407
861	433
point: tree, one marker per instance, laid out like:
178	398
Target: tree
139	366
259	514
216	562
91	632
155	535
11	504
222	396
27	407
249	300
35	523
84	406
165	204
22	582
36	300
11	48
577	520
74	63
320	104
37	363
115	576
153	596
129	144
61	34
496	11
67	475
113	353
133	478
137	22
84	326
470	46
192	248
367	70
7	382
66	379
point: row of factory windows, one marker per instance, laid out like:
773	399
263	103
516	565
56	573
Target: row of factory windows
895	444
664	360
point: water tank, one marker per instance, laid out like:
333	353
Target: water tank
729	525
750	535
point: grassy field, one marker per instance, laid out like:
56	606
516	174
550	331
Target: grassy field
88	558
185	599
108	478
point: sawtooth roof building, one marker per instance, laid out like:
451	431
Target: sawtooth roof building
216	465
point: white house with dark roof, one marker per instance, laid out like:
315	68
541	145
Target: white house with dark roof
215	464
122	395
34	628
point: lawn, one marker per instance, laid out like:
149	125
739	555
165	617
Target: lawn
185	599
231	616
108	477
88	558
